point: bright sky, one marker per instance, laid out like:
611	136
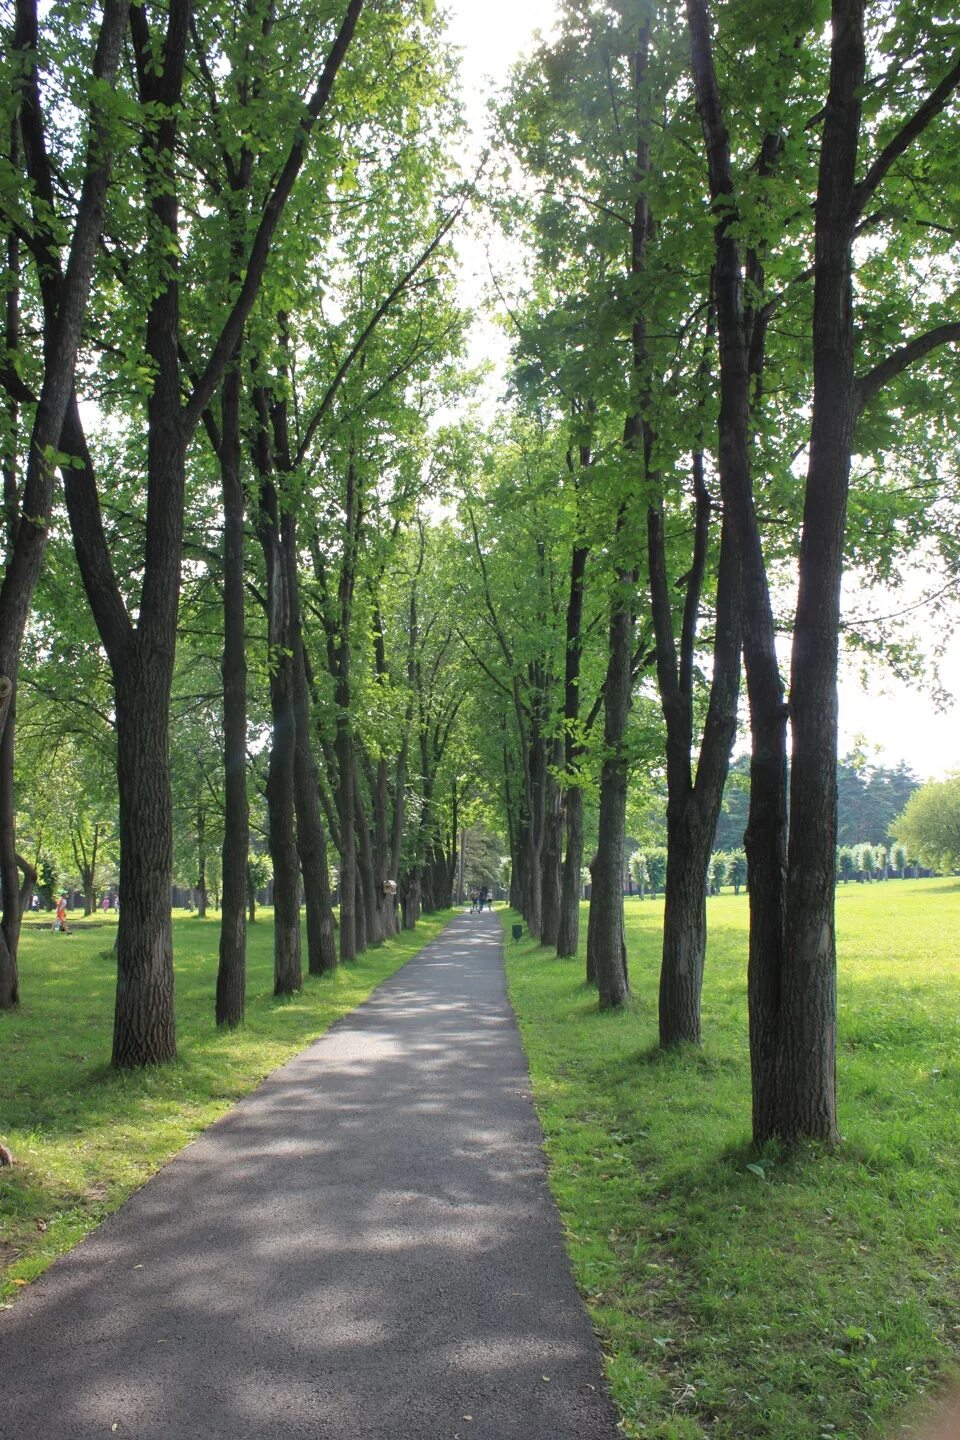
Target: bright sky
896	721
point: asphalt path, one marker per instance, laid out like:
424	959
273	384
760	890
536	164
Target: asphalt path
363	1249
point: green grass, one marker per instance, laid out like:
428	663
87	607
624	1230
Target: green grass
812	1297
83	1136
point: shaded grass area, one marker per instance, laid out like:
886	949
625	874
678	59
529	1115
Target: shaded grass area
84	1136
810	1297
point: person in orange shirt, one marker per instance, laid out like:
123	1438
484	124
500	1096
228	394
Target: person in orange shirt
60	919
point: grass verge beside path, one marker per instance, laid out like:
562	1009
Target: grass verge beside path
85	1137
815	1297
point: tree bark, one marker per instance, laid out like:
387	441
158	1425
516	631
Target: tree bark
201	864
373	932
9	873
143	656
765	836
232	967
693	803
609	959
571	889
806	1058
568	931
280	776
64	294
311	836
144	1026
552	854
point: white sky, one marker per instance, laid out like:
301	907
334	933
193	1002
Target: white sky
896	721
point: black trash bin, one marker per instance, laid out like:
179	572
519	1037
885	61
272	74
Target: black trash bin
517	932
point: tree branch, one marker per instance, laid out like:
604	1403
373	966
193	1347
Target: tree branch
905	136
260	248
915	349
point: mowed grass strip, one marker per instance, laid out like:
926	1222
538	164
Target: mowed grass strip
811	1297
85	1137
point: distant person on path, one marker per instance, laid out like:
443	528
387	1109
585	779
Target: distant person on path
105	903
60	918
35	902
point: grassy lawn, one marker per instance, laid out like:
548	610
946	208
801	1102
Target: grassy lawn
737	1294
85	1137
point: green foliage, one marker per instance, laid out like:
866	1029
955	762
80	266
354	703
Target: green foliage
929	826
655	860
738	870
846	863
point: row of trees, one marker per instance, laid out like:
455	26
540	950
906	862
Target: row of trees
292	589
737	338
869	799
230	316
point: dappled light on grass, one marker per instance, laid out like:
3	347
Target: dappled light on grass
365	1246
743	1294
84	1136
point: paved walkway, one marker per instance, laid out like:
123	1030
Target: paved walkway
363	1249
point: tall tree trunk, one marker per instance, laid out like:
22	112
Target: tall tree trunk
281	805
689	844
413	905
360	911
551	857
765	836
606	895
65	293
568	931
311	836
287	973
142	657
593	931
9	874
232	968
568	935
610	955
144	1026
533	834
806	1058
383	866
693	804
367	872
201	864
251	897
